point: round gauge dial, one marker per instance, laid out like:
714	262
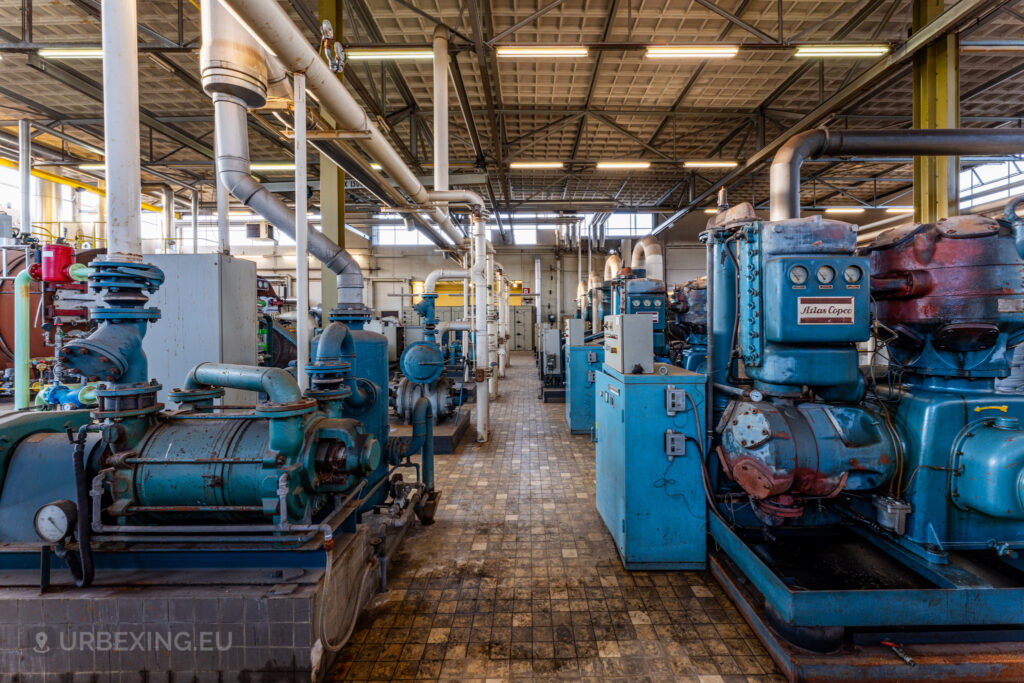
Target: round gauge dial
798	275
55	521
852	274
826	274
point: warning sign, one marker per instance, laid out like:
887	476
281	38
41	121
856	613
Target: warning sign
824	310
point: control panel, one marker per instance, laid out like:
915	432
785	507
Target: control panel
629	343
575	332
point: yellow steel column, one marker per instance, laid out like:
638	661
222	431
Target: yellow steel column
936	105
332	183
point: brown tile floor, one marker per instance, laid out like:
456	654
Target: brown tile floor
519	579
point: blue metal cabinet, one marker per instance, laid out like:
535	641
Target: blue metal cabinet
581	365
649	488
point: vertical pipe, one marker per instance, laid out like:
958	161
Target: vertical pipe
558	290
440	108
492	333
22	341
301	260
480	288
121	129
579	270
195	221
168	207
536	302
25	174
223	217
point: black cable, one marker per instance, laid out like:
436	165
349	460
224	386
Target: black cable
83	572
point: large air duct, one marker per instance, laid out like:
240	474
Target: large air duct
612	266
234	72
647	255
785	171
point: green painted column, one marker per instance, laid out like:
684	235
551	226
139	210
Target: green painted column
332	182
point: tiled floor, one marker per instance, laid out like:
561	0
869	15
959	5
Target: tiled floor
519	579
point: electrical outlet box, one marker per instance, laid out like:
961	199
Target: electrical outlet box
629	343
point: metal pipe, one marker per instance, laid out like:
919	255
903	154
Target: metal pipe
480	290
25	174
121	130
537	289
233	171
647	254
167	200
301	234
277	384
492	330
268	20
195	221
785	170
430	284
223	217
441	108
22	337
612	266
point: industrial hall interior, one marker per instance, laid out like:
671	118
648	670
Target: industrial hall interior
511	340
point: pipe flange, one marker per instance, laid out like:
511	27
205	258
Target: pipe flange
277	410
195	395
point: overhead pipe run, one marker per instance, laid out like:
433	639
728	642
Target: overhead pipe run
647	254
785	170
233	71
267	20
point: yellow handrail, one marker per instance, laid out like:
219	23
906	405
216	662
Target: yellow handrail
61	180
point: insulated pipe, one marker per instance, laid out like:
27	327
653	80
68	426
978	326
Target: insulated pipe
558	290
195	221
785	170
647	254
595	301
301	235
612	266
167	204
233	171
441	108
267	20
22	332
480	291
121	129
277	384
25	174
430	284
536	290
492	330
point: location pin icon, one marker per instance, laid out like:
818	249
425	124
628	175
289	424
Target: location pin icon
41	639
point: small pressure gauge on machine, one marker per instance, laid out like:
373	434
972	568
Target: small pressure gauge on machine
826	274
852	274
798	275
55	521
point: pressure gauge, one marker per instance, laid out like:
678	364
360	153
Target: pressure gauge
798	275
852	274
647	303
826	274
55	521
657	303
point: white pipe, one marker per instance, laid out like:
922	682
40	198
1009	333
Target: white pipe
223	216
121	129
301	234
267	20
25	174
195	221
480	288
453	326
647	254
441	108
536	302
612	266
595	302
430	284
558	291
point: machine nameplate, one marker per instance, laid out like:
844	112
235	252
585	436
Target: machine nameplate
1011	305
825	310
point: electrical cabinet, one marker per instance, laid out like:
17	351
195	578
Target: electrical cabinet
629	343
552	350
207	314
582	363
522	328
649	429
575	331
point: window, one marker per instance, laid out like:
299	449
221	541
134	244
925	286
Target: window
398	236
526	235
990	182
629	225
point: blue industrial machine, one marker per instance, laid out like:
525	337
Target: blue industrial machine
645	477
641	296
423	365
687	329
582	361
882	510
201	486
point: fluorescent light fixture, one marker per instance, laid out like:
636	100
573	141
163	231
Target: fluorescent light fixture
691	51
536	164
72	53
375	166
613	165
900	209
92	167
541	51
710	210
841	50
389	53
845	209
711	164
272	166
